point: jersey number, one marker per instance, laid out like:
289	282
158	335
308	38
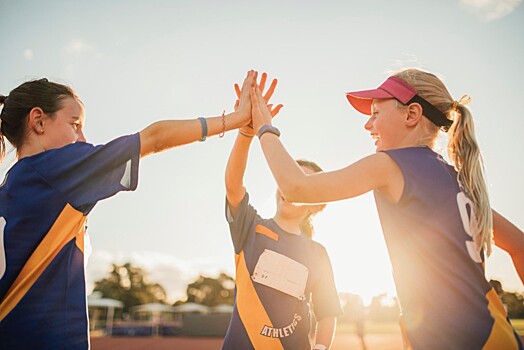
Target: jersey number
469	223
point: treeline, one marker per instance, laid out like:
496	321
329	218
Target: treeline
130	285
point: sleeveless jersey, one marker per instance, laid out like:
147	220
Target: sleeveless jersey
446	301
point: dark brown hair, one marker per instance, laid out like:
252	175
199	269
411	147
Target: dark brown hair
16	107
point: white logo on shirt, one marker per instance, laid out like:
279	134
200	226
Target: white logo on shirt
283	332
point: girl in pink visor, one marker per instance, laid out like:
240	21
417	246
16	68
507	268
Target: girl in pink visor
435	216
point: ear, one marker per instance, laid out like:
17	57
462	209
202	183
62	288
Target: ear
36	120
413	114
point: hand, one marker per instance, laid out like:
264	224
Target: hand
260	113
243	104
248	129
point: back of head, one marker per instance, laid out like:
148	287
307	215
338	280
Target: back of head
463	148
306	226
21	100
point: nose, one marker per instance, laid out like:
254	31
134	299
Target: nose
369	124
81	136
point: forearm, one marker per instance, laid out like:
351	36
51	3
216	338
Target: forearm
166	134
289	176
326	331
511	239
235	170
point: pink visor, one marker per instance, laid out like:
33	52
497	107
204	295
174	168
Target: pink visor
393	87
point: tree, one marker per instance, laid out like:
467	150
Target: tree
212	291
128	284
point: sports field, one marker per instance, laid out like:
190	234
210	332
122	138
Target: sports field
380	337
342	342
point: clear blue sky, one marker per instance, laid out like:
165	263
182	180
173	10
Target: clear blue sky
135	62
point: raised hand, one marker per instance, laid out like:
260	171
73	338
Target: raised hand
243	104
248	129
261	113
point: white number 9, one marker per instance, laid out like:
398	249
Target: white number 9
469	222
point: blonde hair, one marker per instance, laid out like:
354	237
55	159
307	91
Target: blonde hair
463	150
306	226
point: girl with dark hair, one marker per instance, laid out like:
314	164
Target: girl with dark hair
47	194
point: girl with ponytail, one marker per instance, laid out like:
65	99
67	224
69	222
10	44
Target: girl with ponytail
435	216
279	268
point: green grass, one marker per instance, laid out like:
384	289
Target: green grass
519	326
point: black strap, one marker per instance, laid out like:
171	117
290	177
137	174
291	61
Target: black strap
432	113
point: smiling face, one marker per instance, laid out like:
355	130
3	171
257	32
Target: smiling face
65	126
386	124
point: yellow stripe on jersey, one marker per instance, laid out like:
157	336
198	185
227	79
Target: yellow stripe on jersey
266	232
501	336
251	310
69	224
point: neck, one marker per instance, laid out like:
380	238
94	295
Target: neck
417	140
290	225
30	148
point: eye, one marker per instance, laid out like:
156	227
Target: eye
76	126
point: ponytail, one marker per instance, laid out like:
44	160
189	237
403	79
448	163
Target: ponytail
464	152
306	226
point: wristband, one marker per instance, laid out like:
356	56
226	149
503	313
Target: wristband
319	347
203	122
246	135
268	128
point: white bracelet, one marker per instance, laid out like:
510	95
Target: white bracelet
319	347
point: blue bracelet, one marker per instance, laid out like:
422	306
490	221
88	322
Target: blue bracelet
268	128
203	122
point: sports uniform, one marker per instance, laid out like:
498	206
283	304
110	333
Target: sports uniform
276	273
446	300
44	202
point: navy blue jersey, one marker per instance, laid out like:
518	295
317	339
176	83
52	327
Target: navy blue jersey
264	317
44	202
446	301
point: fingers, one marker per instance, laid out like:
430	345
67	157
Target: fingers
250	79
271	90
275	110
263	79
254	97
237	90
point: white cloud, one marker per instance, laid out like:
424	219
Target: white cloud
172	273
28	54
79	47
490	10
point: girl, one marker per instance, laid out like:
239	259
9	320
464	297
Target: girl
46	196
436	217
279	268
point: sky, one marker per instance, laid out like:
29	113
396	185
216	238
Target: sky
135	62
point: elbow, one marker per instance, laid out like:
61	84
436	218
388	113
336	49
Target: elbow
151	140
